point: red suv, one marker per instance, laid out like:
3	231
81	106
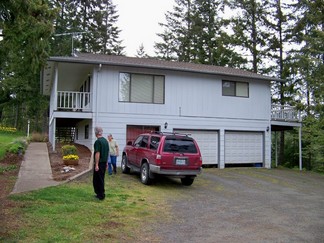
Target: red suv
169	154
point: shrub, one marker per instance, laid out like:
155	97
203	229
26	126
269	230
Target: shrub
18	147
38	137
69	149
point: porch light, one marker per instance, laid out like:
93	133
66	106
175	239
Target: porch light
166	125
267	128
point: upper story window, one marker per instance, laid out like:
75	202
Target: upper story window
141	88
239	89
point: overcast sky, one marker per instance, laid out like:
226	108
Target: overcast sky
139	22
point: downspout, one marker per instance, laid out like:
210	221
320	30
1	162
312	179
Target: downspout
96	107
54	104
276	149
300	150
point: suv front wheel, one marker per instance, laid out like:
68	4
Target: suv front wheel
123	165
145	174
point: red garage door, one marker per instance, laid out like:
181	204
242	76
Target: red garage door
134	130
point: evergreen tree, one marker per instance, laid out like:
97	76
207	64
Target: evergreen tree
194	33
249	33
89	25
27	27
276	23
309	71
141	52
176	37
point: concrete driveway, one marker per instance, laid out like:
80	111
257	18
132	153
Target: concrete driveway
247	205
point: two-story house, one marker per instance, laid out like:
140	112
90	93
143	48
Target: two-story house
228	111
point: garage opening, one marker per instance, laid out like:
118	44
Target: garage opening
132	131
244	148
208	144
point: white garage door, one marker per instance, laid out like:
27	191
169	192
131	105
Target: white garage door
207	142
244	147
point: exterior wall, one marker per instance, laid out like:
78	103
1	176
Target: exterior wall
88	142
187	95
192	101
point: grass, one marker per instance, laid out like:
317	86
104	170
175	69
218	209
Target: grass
70	213
5	140
7	168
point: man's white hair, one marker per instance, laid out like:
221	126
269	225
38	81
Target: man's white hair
98	130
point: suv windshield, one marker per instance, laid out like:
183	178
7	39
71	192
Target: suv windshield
179	145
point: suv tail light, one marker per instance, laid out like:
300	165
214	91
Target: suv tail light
158	159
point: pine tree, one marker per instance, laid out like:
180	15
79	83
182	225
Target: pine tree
27	28
89	25
248	32
276	22
141	52
309	70
212	44
176	43
194	33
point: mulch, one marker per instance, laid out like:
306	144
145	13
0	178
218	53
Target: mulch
57	162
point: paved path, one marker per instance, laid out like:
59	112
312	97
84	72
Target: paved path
35	171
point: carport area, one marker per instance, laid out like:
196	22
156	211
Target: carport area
246	205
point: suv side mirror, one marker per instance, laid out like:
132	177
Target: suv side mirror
129	143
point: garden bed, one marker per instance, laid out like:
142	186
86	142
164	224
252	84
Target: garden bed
58	165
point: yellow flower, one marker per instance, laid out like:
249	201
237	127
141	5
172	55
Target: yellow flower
70	157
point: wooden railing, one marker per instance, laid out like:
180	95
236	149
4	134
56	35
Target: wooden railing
73	101
285	113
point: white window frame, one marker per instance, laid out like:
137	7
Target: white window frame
141	88
239	89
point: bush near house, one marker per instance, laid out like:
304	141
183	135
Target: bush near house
38	137
70	152
69	149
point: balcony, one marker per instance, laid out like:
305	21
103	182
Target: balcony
285	113
73	101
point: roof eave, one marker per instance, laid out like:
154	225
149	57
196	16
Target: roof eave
79	61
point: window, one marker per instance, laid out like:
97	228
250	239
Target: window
154	143
239	89
86	132
138	141
141	141
140	88
179	145
144	142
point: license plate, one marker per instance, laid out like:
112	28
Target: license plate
181	161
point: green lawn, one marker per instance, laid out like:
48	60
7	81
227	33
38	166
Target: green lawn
5	140
70	213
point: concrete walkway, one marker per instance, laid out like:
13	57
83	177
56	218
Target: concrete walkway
35	170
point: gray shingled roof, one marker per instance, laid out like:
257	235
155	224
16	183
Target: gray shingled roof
159	64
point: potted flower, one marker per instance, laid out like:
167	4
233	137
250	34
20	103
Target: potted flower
70	156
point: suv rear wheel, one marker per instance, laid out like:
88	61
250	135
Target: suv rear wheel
124	167
145	174
187	181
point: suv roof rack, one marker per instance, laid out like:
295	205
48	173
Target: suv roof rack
171	133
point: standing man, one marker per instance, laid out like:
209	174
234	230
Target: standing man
101	151
114	153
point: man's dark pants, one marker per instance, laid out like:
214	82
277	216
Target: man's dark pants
99	181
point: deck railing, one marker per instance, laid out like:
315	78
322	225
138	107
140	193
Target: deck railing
73	101
285	113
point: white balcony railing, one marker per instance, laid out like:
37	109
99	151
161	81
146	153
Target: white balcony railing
285	113
73	101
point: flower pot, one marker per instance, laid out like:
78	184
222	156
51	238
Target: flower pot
71	161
